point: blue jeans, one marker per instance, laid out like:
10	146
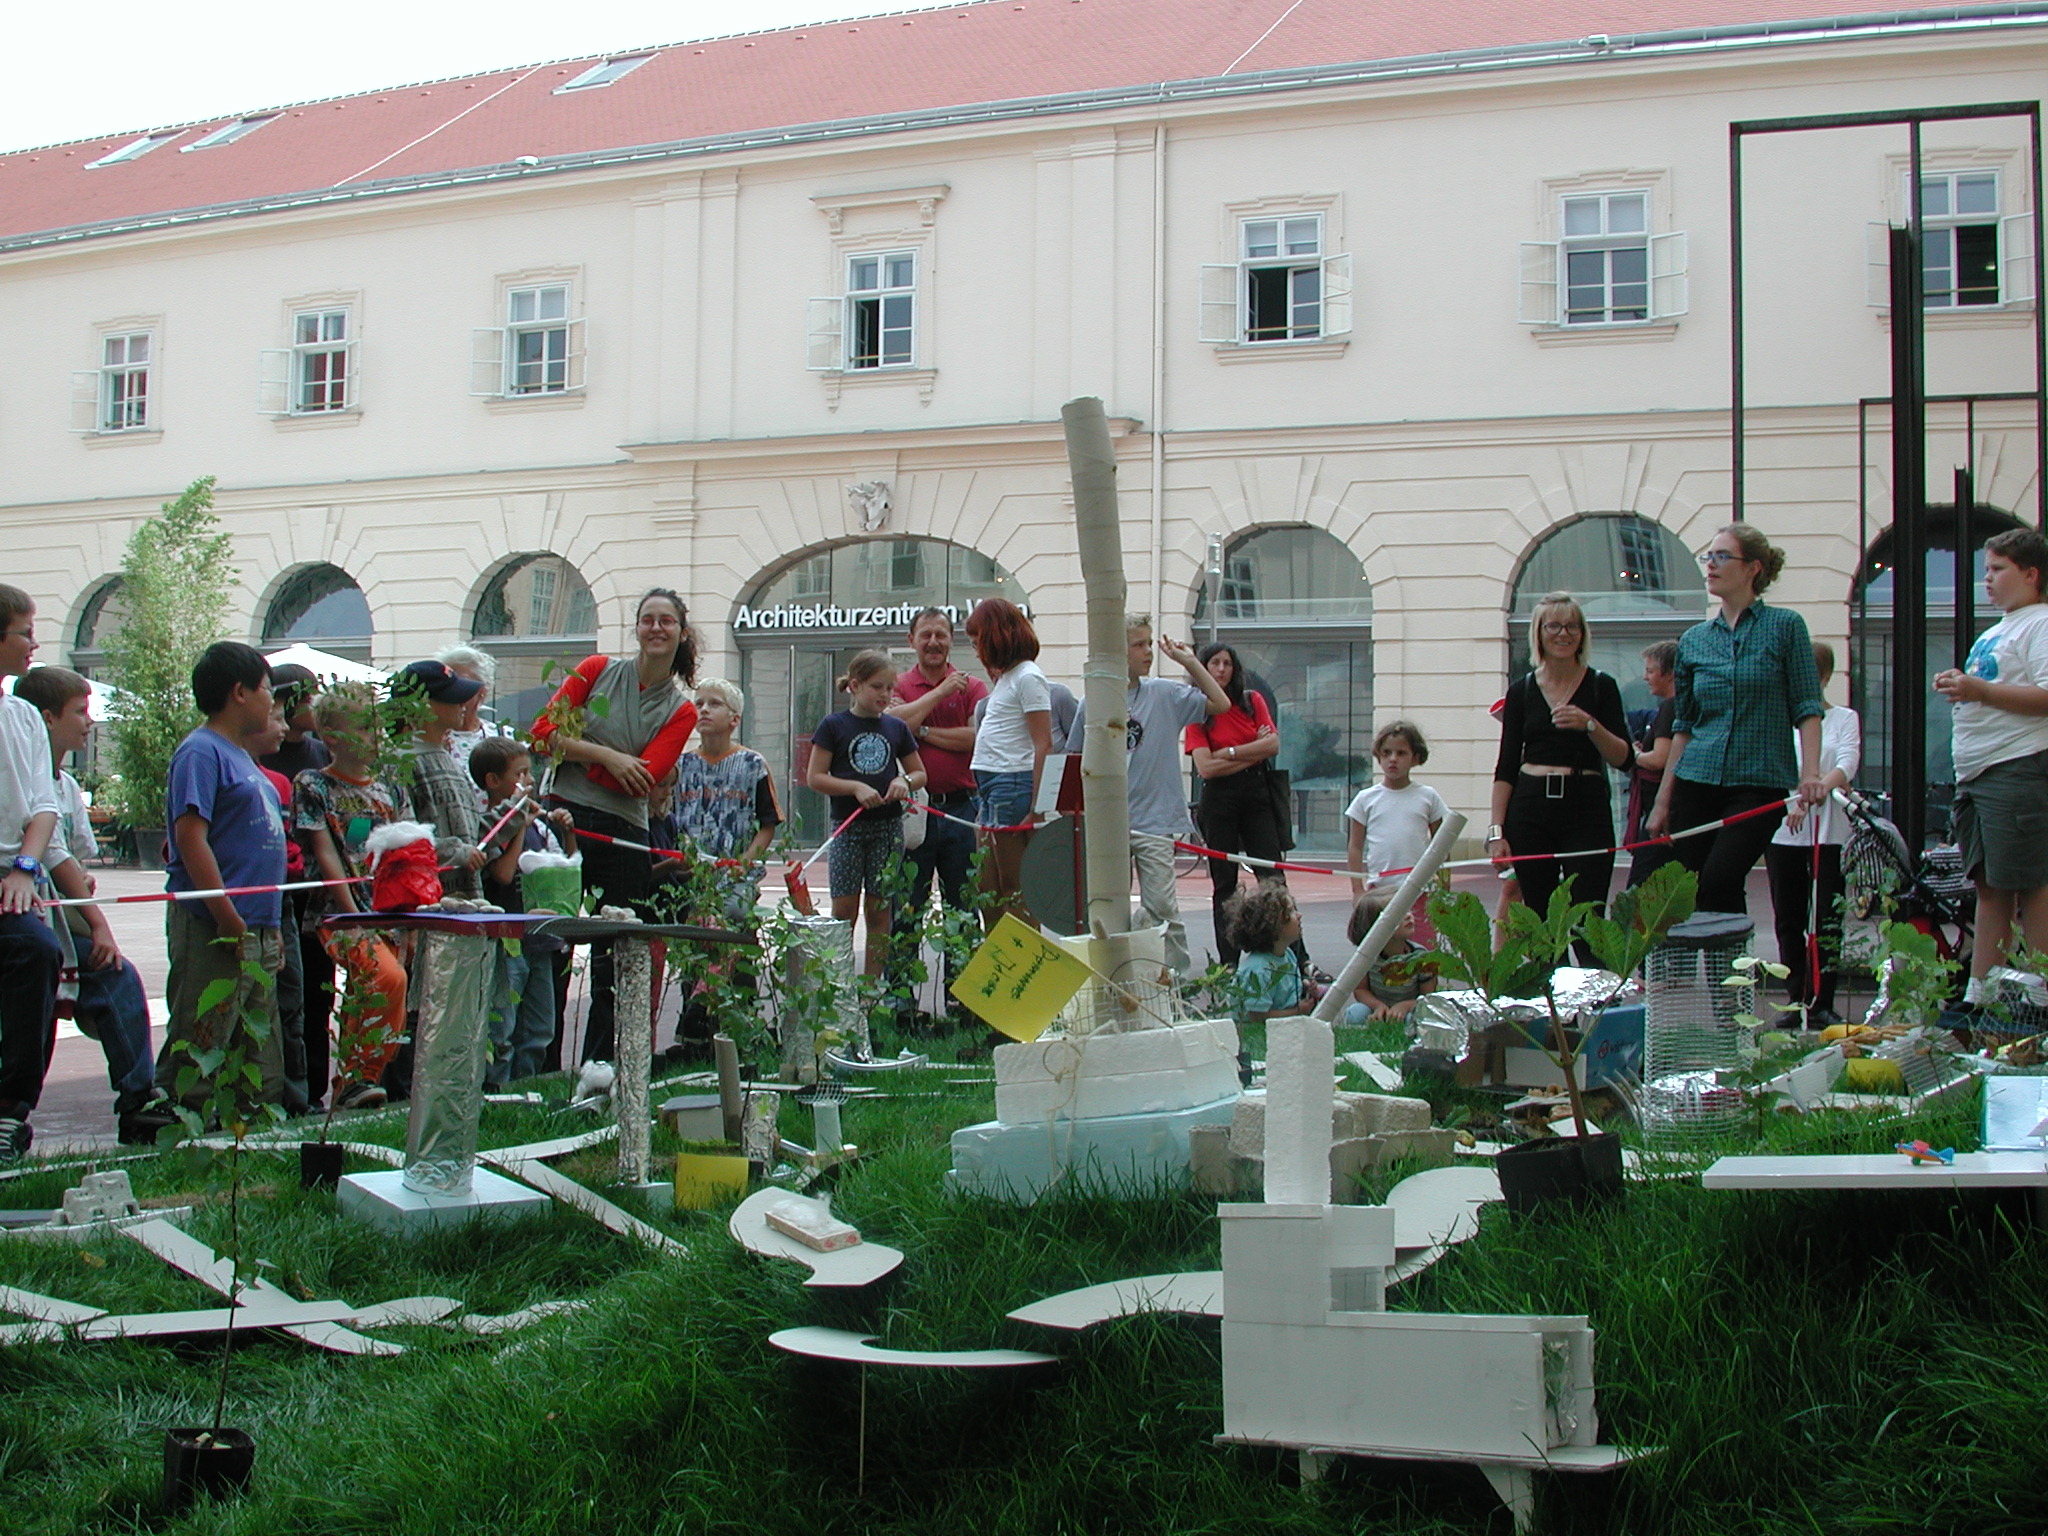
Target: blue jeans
113	1009
1005	798
522	1015
29	958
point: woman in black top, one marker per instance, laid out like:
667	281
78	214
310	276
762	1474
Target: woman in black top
1561	730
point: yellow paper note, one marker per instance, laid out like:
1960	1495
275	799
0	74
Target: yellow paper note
1019	979
705	1178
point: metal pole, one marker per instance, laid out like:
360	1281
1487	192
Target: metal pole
1966	567
2040	334
1737	457
1909	532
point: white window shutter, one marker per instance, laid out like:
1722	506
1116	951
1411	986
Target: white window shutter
274	381
824	324
1669	287
1538	304
1877	266
576	360
487	363
2018	282
85	400
353	390
1337	295
1217	324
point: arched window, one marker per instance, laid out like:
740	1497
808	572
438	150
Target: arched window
1871	663
799	625
322	606
535	609
1296	605
103	614
1637	583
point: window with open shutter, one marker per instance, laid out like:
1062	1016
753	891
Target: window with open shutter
1538	305
824	328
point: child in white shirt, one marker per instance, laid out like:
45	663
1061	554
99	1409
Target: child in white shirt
1391	822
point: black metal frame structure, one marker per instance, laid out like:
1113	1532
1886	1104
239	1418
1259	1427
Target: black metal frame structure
1908	400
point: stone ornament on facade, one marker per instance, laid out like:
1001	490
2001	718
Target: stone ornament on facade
869	501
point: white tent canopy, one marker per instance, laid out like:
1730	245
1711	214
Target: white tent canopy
324	665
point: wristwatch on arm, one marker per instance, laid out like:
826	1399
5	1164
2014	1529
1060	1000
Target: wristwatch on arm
25	865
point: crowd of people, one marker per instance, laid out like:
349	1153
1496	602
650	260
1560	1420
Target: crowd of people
290	781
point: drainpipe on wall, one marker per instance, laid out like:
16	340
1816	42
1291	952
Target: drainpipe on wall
1159	376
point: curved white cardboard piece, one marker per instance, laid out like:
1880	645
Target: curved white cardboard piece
858	1349
1440	1206
1199	1293
862	1264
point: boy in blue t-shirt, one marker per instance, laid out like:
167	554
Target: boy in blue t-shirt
226	831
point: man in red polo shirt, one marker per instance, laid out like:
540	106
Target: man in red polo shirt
937	701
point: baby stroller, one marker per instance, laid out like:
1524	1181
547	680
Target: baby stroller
1934	893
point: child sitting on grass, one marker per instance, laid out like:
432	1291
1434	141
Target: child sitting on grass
1262	923
1398	977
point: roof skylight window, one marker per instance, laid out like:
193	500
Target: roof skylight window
605	73
136	149
227	133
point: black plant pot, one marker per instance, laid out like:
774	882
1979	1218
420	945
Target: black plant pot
320	1164
1578	1171
200	1461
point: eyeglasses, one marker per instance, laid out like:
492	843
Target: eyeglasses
1714	559
1561	629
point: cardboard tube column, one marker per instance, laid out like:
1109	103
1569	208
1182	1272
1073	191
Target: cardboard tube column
1301	1055
1106	825
452	989
634	991
732	1103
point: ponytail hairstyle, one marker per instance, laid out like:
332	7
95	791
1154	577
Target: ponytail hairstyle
1754	546
684	665
864	665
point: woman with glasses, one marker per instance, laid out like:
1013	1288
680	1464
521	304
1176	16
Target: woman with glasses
1561	729
606	770
1746	684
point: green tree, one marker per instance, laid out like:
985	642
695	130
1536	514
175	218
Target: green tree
175	580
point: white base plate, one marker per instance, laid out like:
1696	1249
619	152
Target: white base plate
382	1200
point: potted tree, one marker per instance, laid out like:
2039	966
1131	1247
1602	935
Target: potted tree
1531	947
222	1075
175	579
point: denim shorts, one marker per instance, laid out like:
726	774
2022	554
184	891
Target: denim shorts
1004	799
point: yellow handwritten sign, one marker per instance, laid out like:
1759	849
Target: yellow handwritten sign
1019	980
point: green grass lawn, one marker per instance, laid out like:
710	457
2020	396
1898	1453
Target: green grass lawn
1809	1362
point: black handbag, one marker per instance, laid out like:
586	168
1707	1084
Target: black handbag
1280	789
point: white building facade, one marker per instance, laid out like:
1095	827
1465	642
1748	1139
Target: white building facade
1404	346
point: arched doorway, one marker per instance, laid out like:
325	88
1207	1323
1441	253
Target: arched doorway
321	606
535	609
104	613
1874	674
1295	604
804	620
1636	581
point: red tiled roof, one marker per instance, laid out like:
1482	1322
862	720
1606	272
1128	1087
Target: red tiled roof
985	51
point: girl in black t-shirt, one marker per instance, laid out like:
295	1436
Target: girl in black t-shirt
866	760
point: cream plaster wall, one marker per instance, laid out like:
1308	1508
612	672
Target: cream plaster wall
1440	444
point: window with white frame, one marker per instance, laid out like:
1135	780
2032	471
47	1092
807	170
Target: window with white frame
874	325
114	397
1607	267
1284	286
1959	229
1973	254
316	373
538	351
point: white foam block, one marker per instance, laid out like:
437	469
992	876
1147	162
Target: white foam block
1062	1058
1352	1115
1300	1057
1089	1096
384	1201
